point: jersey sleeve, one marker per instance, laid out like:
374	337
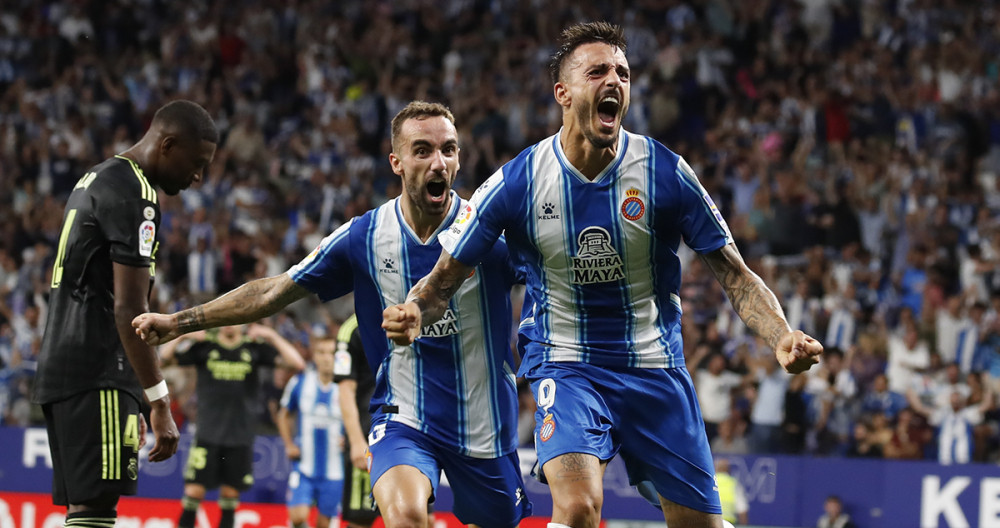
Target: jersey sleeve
349	353
194	354
479	224
702	224
129	221
290	398
327	270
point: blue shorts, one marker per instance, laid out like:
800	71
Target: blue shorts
306	491
650	416
488	492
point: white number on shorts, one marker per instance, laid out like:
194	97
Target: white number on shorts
546	393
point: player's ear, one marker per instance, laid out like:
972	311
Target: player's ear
561	93
396	163
167	143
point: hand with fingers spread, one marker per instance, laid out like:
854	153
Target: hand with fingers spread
402	323
797	352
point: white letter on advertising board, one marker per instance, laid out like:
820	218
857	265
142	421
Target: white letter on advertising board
989	503
936	501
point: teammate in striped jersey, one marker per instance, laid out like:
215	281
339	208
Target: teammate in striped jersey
92	369
318	471
447	402
594	215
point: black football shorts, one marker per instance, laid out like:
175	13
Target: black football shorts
212	465
94	441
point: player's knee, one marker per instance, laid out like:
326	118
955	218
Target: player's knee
405	516
581	509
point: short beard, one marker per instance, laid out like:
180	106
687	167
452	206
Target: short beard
600	142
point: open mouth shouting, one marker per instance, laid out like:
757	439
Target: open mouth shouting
437	190
607	111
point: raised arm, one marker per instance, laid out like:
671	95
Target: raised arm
760	310
285	348
131	287
248	303
427	300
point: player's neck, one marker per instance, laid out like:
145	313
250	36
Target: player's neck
582	154
325	378
229	341
422	223
140	155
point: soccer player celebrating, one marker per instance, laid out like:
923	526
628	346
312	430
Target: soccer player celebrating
444	403
228	363
93	368
594	214
318	468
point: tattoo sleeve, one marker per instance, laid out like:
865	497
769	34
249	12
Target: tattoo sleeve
250	302
432	293
753	300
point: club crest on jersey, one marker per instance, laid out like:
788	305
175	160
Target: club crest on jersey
147	234
389	266
595	260
633	207
548	212
446	326
548	428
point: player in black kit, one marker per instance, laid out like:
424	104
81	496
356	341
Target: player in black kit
228	361
93	369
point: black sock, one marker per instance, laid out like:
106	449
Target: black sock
91	519
228	508
189	512
301	525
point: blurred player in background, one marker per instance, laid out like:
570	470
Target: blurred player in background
357	384
92	368
227	361
315	449
447	402
595	216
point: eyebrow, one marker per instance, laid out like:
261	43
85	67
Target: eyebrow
425	143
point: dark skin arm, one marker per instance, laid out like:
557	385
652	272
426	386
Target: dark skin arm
427	300
760	310
251	302
131	287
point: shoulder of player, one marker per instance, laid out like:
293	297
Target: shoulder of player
121	178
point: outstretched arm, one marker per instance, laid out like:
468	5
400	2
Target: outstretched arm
250	302
426	301
759	308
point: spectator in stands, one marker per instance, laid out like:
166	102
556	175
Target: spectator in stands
834	515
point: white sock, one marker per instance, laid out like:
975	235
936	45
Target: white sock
558	525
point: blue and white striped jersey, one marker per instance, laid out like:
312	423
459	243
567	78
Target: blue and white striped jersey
600	256
456	382
319	425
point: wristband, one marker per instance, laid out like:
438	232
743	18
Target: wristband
157	391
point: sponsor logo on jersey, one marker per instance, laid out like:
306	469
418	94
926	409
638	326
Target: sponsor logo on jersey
133	469
342	362
446	326
148	213
633	207
715	211
595	260
389	266
548	428
147	235
548	211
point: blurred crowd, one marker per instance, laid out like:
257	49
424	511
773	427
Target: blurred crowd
852	145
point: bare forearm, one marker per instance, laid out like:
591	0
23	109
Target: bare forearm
433	292
250	302
141	356
753	301
284	423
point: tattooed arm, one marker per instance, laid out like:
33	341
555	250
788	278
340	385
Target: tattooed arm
759	308
250	302
426	301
